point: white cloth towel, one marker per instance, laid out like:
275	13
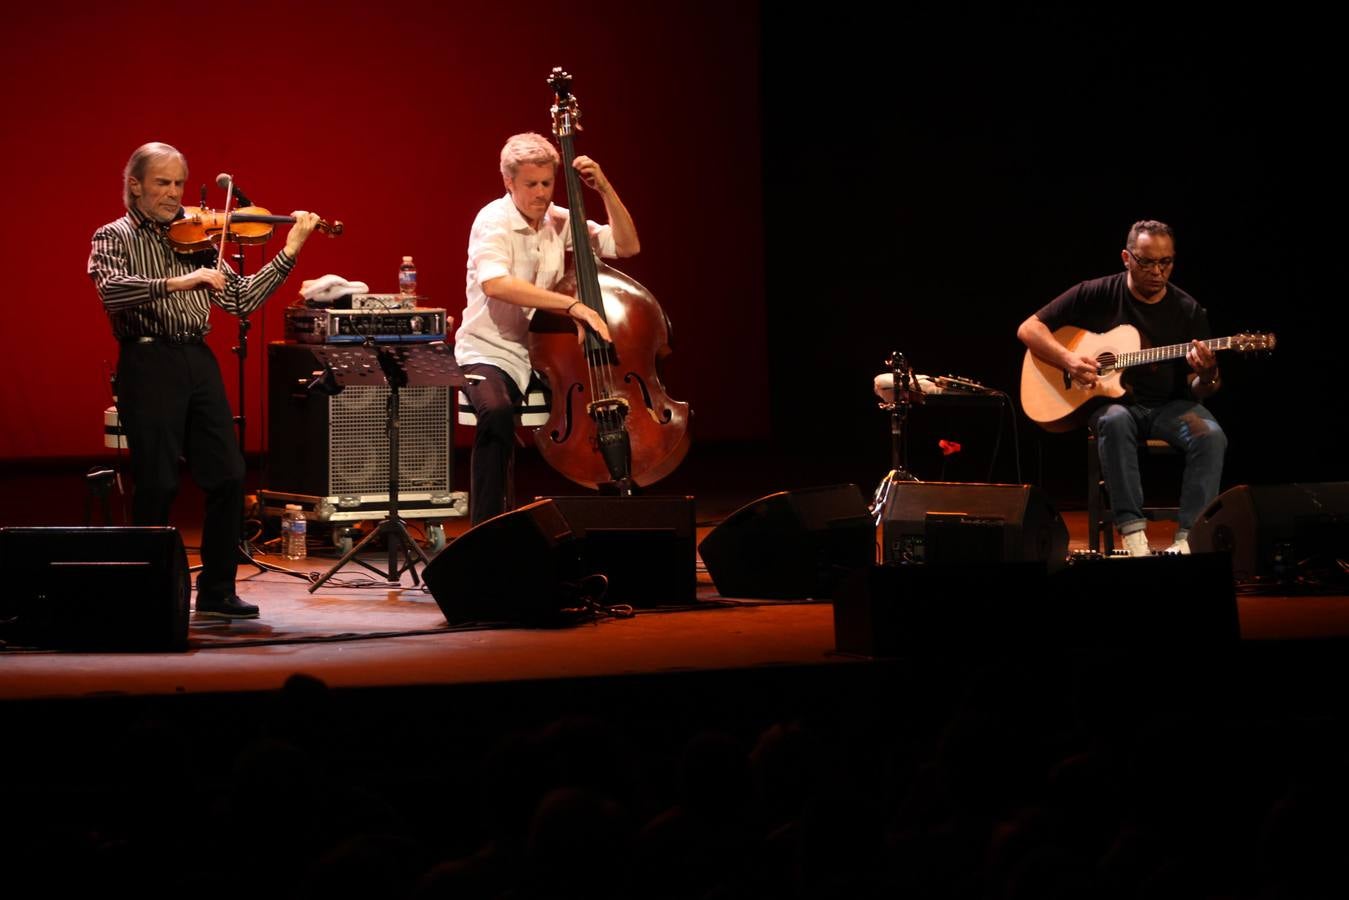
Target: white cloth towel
330	287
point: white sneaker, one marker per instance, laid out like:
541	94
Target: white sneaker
1137	544
1180	546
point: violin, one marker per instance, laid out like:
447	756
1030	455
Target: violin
202	228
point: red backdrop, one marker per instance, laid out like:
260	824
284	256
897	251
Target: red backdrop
388	117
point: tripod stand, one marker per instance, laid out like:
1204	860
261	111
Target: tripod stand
398	366
898	406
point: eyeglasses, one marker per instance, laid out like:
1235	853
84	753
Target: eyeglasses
1144	263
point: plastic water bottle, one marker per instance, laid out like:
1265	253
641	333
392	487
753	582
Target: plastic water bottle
294	532
407	279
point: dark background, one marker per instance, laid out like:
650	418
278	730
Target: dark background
934	176
813	190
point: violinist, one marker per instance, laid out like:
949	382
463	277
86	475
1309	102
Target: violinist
171	399
515	261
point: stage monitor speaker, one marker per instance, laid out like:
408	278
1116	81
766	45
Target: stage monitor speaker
792	544
943	609
948	522
1271	529
1167	600
327	446
520	567
643	546
95	589
1160	603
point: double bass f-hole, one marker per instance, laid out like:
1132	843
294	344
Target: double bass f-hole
611	422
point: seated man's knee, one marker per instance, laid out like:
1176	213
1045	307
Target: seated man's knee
1115	422
497	421
1213	438
1205	434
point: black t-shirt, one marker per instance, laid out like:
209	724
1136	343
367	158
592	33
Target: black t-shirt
1103	303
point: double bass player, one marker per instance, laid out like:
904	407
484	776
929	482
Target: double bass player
516	255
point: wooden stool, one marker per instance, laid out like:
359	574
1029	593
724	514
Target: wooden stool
531	412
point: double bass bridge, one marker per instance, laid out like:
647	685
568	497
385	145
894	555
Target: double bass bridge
606	406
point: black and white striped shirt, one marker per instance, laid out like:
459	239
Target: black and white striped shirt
131	262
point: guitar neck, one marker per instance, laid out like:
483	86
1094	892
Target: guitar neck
1162	354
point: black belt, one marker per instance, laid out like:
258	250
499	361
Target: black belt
181	337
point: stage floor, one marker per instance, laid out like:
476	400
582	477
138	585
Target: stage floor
423	721
353	636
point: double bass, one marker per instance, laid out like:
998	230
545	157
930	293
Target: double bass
610	421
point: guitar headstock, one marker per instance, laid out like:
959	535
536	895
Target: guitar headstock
1253	343
566	114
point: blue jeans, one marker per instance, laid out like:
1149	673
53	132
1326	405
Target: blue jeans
1189	427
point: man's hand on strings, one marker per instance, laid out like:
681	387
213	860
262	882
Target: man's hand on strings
305	223
590	173
1202	360
584	315
1083	370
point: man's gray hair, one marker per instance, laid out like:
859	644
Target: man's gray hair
528	148
140	161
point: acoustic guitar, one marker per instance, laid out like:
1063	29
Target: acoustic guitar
1052	399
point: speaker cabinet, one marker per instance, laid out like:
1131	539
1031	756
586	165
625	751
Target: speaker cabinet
1270	528
936	522
643	546
327	446
1166	601
792	544
1173	603
95	589
518	568
940	609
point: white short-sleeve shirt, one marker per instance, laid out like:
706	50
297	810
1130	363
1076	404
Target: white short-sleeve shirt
503	243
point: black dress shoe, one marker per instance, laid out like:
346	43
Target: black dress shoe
230	607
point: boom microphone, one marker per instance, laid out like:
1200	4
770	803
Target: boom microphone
223	180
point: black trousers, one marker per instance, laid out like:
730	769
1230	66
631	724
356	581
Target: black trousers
171	401
494	400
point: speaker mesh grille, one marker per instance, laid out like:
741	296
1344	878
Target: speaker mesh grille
358	446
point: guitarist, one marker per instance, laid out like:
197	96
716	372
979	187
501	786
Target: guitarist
1164	400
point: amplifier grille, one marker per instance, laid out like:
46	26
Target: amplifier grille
358	461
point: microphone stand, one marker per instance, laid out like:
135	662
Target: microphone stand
240	350
899	413
245	548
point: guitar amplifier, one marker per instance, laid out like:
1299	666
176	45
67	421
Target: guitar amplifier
352	326
933	521
329	454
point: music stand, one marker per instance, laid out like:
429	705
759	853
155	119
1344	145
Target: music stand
903	397
398	366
